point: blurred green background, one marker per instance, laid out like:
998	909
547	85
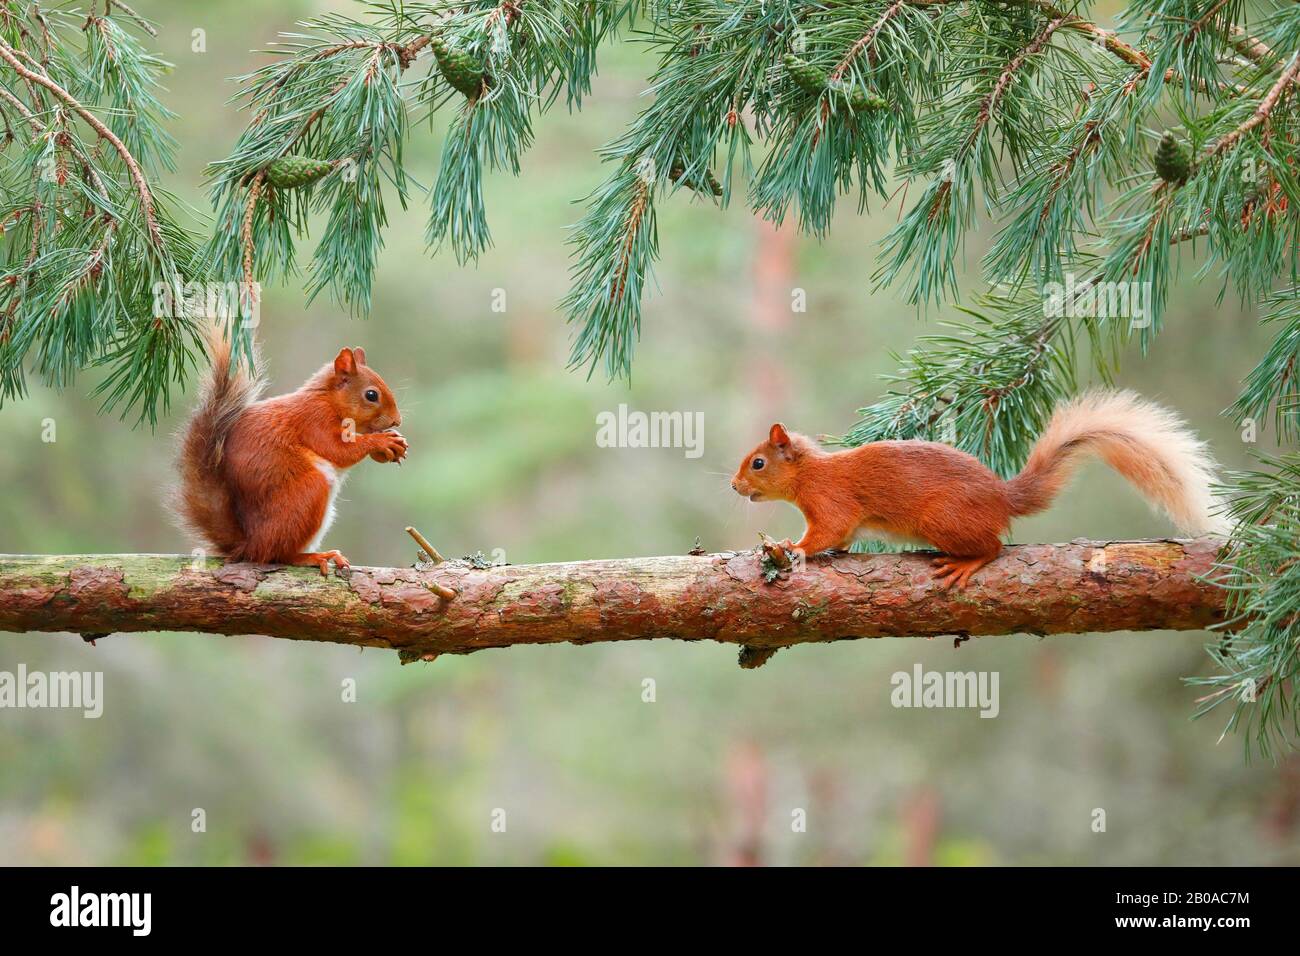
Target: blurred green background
255	731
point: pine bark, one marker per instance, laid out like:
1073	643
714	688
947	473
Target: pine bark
1080	587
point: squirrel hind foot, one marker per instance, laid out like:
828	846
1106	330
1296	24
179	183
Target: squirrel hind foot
957	571
322	559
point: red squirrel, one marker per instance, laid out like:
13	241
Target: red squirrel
259	477
931	492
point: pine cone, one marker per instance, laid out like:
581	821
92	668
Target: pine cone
460	69
859	100
806	76
291	172
812	80
1172	162
709	181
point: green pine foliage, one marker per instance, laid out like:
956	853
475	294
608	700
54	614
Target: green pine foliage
1258	653
1092	152
88	237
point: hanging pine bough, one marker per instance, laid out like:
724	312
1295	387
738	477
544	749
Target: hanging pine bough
343	90
88	238
1024	112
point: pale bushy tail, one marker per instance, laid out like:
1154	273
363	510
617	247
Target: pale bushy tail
202	502
1144	442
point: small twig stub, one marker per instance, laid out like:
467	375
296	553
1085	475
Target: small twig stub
429	549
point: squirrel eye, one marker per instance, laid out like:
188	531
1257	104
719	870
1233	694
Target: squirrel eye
757	464
372	395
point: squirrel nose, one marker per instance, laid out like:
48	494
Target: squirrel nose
733	484
397	420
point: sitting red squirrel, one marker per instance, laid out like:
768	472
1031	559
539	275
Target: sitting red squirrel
259	478
931	492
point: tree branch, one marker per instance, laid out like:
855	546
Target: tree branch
65	140
1009	72
1265	107
1110	39
104	133
141	22
1248	46
1039	589
866	41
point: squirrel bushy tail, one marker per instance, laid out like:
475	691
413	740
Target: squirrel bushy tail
203	502
1144	442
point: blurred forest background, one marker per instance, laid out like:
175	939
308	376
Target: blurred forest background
255	731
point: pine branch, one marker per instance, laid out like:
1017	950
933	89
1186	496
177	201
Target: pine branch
137	175
337	96
1265	108
1248	46
1038	589
94	239
931	61
867	40
140	21
1257	653
1272	389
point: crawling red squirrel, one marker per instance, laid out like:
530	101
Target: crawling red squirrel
259	478
931	492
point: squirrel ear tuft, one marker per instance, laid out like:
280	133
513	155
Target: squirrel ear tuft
345	363
778	436
360	355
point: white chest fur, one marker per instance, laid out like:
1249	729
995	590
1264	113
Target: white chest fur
334	477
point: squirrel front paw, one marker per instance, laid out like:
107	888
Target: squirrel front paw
390	446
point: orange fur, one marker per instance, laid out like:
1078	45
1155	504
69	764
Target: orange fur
258	477
931	492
